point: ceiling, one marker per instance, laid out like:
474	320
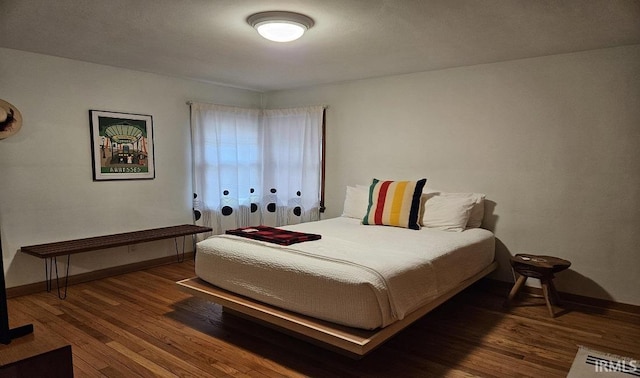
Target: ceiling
209	40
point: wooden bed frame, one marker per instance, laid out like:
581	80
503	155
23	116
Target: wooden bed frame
352	342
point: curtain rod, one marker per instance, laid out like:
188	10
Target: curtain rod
191	102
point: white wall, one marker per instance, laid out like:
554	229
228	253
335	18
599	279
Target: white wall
553	141
46	188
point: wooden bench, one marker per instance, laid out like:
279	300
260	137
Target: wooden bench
50	251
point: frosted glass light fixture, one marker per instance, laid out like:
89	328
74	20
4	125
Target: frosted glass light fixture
280	26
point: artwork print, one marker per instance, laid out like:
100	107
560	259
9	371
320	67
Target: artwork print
121	146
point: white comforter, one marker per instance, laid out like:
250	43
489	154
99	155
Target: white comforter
356	275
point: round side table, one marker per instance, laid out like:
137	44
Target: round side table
542	268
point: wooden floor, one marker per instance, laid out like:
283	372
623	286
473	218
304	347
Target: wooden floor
140	324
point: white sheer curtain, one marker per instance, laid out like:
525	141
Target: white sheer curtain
226	164
254	167
291	173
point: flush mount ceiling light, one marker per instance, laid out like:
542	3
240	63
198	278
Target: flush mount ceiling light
280	26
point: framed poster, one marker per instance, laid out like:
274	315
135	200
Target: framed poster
121	146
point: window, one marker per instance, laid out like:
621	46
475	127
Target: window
256	167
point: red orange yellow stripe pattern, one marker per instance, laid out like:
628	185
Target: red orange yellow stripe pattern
394	203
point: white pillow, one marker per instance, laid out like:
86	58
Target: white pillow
356	202
447	213
477	212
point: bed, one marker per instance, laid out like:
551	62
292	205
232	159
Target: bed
351	290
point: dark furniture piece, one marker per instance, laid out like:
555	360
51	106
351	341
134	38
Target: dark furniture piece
542	268
41	354
50	251
7	334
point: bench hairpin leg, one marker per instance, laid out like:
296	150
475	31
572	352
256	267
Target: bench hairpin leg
66	278
48	265
175	240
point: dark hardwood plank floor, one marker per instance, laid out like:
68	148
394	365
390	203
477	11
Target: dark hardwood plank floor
140	324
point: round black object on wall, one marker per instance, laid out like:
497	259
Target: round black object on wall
271	207
227	210
297	211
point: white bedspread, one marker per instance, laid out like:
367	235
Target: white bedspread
356	275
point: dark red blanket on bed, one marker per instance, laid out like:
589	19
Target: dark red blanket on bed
273	235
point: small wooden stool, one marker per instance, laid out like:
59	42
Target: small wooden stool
542	268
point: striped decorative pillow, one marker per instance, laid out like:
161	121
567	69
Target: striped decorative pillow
394	203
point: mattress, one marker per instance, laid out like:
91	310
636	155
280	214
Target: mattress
359	276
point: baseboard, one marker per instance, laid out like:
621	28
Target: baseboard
37	287
505	287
